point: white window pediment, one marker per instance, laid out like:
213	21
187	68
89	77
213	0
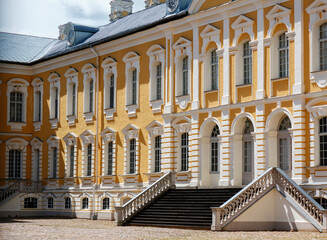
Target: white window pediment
317	110
242	25
155	128
210	34
278	14
16	143
108	135
52	142
87	137
181	43
36	143
70	139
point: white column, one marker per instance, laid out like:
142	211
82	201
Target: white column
194	150
260	159
167	158
260	52
196	84
225	171
298	87
170	73
299	141
226	85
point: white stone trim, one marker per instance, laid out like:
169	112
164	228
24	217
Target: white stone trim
318	15
72	78
183	48
19	85
108	135
87	138
131	132
109	66
298	87
37	84
242	25
36	144
70	140
52	142
132	61
278	14
156	55
154	129
226	71
89	74
196	67
54	80
16	144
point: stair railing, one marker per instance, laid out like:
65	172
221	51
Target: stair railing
272	178
13	188
143	199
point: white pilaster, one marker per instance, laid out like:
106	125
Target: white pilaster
167	159
194	150
196	84
298	87
260	160
225	172
170	82
226	85
260	53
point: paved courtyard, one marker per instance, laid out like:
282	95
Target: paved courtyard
86	229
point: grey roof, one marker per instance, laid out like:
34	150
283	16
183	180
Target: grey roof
23	48
39	49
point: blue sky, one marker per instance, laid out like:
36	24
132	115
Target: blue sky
42	17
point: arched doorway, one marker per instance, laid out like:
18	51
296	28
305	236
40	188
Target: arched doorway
285	146
248	153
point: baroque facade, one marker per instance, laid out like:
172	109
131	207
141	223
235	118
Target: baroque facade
215	91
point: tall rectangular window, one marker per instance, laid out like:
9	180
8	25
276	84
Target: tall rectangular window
184	152
56	105
91	96
15	161
158	95
54	162
110	157
247	156
185	76
157	154
134	87
132	156
247	63
16	107
73	99
71	161
283	56
323	141
89	160
37	164
214	70
112	92
38	106
323	47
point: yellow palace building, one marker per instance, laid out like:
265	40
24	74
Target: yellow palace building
201	95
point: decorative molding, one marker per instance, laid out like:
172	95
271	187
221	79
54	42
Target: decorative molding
278	14
210	34
242	25
109	66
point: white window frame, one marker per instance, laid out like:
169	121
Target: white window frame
36	144
54	80
321	134
87	138
109	66
131	132
17	85
183	48
72	78
218	141
318	16
89	74
108	135
132	62
70	140
53	142
156	55
16	144
154	129
37	84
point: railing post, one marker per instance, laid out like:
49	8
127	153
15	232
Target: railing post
119	216
173	180
216	224
324	221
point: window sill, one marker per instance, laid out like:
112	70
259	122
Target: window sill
320	78
211	91
88	116
156	105
213	172
183	101
131	109
244	85
16	126
109	112
278	79
54	123
71	119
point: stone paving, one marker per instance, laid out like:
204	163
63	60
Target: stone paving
87	229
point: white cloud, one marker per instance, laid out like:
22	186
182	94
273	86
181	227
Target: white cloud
42	17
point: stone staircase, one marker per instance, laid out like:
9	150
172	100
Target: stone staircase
184	208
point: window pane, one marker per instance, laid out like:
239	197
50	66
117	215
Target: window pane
67	203
132	156
247	63
185	76
89	160
71	167
91	96
54	162
158	92
110	158
323	46
157	154
105	204
15	160
184	152
112	91
73	99
214	70
134	87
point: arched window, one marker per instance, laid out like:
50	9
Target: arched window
157	154
30	202
214	70
285	145
248	147
85	203
134	87
185	75
214	149
322	202
89	160
105	203
110	157
16	107
50	202
15	161
247	63
283	56
184	152
68	203
323	47
323	141
132	156
158	82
